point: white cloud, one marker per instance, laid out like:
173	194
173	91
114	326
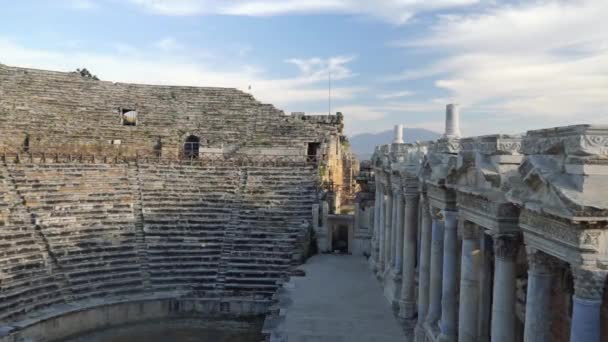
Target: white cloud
393	11
317	69
539	60
134	66
168	44
394	95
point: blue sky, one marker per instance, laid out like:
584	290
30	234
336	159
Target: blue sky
512	65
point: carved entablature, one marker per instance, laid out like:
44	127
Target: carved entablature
441	198
498	216
499	144
444	145
580	140
565	239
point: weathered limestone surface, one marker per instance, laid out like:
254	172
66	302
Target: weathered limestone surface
64	112
517	240
73	231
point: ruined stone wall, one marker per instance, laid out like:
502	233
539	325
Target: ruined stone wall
73	231
55	111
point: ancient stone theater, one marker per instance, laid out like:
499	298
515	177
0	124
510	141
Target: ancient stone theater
122	203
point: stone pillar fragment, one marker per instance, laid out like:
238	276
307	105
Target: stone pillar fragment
434	311
452	121
408	284
424	267
587	301
503	301
469	284
538	296
398	134
449	309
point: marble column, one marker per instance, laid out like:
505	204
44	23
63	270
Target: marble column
469	284
407	306
399	223
484	311
388	213
538	296
449	306
503	300
381	219
393	236
424	266
586	302
434	310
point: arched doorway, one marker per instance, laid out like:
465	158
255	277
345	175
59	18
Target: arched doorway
191	147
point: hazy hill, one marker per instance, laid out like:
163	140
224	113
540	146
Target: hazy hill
363	144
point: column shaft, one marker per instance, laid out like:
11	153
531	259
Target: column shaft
587	302
393	238
469	285
485	287
388	212
449	308
407	308
381	232
434	311
424	267
503	301
538	297
400	223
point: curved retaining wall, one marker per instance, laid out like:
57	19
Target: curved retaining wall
82	317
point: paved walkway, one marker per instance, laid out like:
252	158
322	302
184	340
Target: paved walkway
338	300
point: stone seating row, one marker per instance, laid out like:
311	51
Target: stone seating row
77	231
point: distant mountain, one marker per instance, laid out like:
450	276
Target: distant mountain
363	144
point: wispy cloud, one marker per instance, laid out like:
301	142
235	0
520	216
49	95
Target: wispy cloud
394	95
532	60
393	11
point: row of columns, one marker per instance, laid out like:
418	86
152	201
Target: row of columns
453	310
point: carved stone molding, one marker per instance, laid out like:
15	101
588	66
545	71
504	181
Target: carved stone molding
541	262
588	282
561	230
506	246
578	140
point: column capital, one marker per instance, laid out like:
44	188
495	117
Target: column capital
436	214
540	262
505	246
469	230
588	282
410	195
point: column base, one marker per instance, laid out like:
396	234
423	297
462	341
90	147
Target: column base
392	288
407	309
446	338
